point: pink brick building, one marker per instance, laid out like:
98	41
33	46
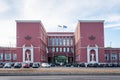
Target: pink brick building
85	45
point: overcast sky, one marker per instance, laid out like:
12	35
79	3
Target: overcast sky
60	12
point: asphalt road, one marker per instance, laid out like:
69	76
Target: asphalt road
58	77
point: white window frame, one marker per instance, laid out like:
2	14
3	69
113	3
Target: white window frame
14	56
1	56
107	56
60	49
57	49
114	56
64	49
68	49
8	56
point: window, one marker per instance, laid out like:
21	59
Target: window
53	49
7	56
114	56
53	41
106	57
64	49
56	49
119	56
49	41
64	42
1	56
68	42
14	56
56	41
71	41
68	50
60	49
60	41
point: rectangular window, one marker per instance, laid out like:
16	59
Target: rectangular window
64	49
106	57
64	42
68	42
14	56
7	56
114	56
68	49
1	56
53	49
60	41
60	49
53	41
49	41
56	41
56	49
71	41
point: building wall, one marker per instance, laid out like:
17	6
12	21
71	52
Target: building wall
88	34
61	44
8	54
84	31
31	33
112	55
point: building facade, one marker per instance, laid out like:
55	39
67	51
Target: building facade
60	47
85	45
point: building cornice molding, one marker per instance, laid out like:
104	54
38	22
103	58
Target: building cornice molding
91	20
38	21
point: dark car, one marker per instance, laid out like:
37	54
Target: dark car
17	65
1	65
82	65
35	65
26	65
75	65
93	65
68	65
52	65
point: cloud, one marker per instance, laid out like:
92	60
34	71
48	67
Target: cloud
3	7
58	12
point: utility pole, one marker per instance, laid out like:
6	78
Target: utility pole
111	51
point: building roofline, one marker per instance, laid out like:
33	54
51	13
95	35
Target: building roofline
60	32
91	20
28	21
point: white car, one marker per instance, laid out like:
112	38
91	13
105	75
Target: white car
7	65
45	65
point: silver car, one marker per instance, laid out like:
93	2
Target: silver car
45	65
7	65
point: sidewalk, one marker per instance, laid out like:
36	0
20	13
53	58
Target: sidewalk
60	71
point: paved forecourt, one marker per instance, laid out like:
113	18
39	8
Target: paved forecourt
60	70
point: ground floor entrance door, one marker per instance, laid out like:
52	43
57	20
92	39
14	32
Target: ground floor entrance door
61	60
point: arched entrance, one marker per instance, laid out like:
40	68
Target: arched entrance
61	60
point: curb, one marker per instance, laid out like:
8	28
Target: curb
51	74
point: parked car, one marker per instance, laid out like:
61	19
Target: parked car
7	65
26	65
75	65
35	65
52	65
46	65
68	65
1	65
82	65
17	65
93	65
